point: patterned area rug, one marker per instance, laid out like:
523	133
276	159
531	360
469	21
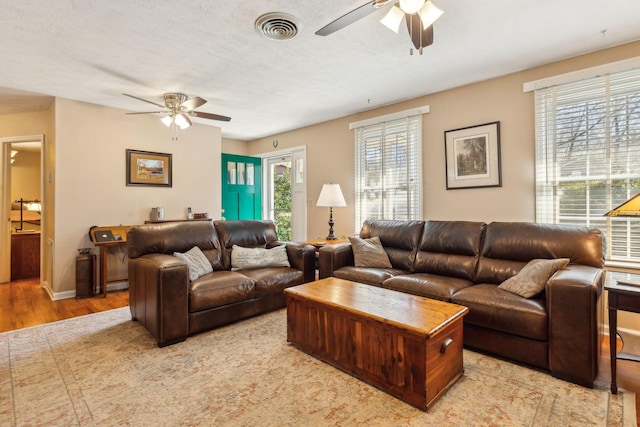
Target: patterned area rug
105	370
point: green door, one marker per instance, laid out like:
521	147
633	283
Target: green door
241	187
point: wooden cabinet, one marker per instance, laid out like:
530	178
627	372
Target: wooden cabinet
25	255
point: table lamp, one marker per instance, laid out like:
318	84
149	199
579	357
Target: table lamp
331	196
629	208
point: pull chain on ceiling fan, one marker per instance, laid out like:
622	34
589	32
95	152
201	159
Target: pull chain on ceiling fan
420	16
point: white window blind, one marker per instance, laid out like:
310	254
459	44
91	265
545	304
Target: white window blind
388	170
588	156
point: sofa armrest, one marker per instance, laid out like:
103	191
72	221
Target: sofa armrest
159	296
574	304
333	257
302	257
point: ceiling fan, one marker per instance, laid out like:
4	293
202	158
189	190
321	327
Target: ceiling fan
420	16
178	108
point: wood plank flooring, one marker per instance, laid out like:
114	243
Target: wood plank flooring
24	303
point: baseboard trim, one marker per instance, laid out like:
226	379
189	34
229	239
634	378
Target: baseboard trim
115	286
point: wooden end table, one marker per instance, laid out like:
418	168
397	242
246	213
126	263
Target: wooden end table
623	296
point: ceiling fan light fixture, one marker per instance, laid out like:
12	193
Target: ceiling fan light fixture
411	6
182	121
167	120
393	18
428	14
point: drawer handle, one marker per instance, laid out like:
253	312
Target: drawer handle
446	343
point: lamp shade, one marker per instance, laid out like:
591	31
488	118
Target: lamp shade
331	196
629	208
393	19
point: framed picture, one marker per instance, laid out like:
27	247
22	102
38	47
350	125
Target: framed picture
148	168
472	156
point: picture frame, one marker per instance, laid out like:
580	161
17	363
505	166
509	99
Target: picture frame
147	168
472	156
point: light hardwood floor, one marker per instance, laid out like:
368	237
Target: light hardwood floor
24	303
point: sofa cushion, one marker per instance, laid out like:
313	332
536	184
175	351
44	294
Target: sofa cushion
248	258
370	276
219	288
532	279
427	285
270	281
369	252
450	248
492	308
400	239
245	233
508	246
197	263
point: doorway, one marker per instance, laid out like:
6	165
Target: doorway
22	203
285	193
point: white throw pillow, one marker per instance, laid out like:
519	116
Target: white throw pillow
247	258
197	262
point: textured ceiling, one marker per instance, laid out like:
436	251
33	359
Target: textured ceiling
95	50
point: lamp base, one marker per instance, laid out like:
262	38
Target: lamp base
331	235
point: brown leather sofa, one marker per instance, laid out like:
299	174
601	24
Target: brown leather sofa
171	307
559	330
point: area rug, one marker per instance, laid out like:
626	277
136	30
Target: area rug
105	370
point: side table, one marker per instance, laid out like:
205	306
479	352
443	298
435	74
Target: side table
623	296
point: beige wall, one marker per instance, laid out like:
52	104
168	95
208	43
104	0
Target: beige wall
25	175
90	175
234	146
331	154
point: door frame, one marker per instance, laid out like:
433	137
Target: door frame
299	192
5	202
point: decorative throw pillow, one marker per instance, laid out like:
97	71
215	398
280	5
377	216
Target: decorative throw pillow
247	258
197	262
369	252
533	277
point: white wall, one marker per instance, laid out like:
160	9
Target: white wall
90	176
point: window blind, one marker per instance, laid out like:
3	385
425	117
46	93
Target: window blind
388	170
588	156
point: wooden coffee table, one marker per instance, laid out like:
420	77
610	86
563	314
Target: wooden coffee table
406	345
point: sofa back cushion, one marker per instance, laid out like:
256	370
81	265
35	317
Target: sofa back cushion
450	248
170	237
244	233
508	246
399	238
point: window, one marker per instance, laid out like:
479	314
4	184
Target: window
588	156
388	170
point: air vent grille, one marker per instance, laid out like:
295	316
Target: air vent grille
277	26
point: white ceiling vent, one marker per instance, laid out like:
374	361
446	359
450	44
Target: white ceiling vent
277	26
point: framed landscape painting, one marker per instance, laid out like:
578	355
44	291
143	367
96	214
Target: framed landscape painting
472	156
148	169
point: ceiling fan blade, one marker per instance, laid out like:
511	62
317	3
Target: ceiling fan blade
419	37
193	103
144	100
148	112
209	116
347	19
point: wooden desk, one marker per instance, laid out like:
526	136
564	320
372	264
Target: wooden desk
118	231
626	298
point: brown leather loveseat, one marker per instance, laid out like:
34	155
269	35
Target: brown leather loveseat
558	329
171	306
